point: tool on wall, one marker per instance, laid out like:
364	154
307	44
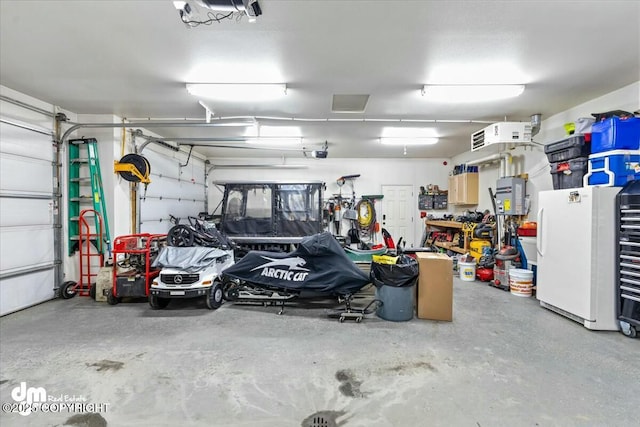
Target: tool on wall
133	168
367	218
350	213
76	199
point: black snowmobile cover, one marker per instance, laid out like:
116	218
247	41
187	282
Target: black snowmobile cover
319	265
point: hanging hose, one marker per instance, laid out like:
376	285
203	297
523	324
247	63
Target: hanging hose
123	140
134	168
366	215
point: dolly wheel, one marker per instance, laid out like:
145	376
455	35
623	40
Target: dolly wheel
68	290
92	291
631	332
111	299
158	303
214	297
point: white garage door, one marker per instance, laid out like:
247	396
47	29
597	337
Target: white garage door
174	190
27	255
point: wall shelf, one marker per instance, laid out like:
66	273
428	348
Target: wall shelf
450	246
455	226
444	224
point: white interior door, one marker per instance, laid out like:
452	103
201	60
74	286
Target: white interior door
397	208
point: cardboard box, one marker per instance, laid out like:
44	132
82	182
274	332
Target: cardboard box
104	282
435	287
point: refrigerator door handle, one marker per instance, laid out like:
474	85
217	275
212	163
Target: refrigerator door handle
539	233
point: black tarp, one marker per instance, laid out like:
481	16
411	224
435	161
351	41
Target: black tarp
403	273
319	265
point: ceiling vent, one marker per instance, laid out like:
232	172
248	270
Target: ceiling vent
349	103
512	133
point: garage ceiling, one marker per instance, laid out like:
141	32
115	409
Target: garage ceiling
133	58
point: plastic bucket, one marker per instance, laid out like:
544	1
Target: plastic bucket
397	302
521	282
467	270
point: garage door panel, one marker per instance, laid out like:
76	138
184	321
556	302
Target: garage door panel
173	189
25	143
19	292
155	209
22	212
21	174
24	246
156	227
28	262
163	165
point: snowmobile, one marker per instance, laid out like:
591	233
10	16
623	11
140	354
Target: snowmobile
317	268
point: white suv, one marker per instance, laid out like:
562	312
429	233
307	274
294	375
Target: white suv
189	272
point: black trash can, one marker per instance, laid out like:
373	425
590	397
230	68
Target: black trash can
395	287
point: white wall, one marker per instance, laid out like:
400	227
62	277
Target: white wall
533	161
374	173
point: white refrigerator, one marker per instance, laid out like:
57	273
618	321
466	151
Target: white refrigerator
576	254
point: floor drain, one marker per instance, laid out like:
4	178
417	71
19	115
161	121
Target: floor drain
319	421
322	419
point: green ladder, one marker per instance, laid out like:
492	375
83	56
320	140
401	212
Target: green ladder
76	199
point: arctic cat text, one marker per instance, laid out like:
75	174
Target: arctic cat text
295	263
276	273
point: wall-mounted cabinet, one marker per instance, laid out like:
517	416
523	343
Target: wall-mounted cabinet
463	189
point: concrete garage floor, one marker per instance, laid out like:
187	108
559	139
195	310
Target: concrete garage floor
503	361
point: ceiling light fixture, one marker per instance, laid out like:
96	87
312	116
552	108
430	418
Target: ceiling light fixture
238	91
470	92
406	141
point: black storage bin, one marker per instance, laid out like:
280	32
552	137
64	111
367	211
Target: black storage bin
569	174
567	149
395	288
131	286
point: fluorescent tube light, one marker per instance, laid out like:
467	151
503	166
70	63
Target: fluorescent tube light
406	141
237	91
275	141
470	93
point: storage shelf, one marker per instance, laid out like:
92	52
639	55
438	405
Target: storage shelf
450	246
447	224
